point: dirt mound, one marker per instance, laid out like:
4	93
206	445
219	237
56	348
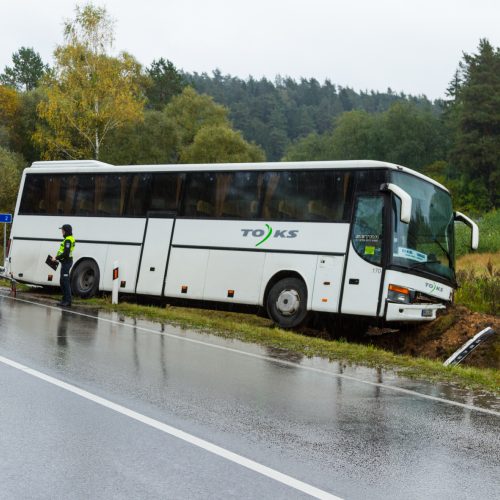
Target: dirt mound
440	338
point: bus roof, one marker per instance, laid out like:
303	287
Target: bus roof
87	166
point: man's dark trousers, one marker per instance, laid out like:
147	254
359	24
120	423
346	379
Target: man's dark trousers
64	282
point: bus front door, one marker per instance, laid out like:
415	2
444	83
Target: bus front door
155	251
364	261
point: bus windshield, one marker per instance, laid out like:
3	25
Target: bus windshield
427	242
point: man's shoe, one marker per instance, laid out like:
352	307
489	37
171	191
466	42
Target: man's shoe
64	304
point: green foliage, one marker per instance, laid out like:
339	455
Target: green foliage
489	234
474	115
353	136
26	72
192	128
165	82
190	111
11	166
312	147
410	136
154	141
404	134
26	124
220	144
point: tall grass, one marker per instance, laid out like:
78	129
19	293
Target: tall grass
479	290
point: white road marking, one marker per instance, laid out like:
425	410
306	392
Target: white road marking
189	438
269	358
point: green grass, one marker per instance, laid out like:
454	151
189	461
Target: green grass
249	328
489	234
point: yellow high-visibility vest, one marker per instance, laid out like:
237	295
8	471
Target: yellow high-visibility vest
61	246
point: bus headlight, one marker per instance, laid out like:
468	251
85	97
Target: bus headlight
399	294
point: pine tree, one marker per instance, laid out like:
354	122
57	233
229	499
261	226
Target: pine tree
476	108
166	82
26	72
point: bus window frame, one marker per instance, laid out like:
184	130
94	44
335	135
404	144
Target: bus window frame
349	200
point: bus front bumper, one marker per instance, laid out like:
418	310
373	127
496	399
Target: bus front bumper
411	312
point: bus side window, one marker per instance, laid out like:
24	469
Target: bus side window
67	192
367	230
110	194
52	188
33	198
139	195
165	192
85	195
199	199
280	196
238	194
325	195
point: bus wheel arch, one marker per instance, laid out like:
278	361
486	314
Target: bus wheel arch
85	277
285	299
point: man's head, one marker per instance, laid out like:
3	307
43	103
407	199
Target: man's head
67	230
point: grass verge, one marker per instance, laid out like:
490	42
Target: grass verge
250	328
20	286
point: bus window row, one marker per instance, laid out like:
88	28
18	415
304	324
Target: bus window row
314	195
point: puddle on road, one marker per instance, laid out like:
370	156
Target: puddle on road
336	368
286	359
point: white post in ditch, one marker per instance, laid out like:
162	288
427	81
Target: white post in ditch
459	355
116	283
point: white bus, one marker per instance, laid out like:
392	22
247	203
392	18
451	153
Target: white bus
358	238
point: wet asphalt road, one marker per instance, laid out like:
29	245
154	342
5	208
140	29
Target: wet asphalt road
300	417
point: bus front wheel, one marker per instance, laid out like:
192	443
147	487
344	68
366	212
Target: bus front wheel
85	279
287	302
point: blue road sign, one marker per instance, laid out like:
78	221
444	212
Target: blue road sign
6	218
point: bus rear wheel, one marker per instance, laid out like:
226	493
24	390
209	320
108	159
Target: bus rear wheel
287	302
85	279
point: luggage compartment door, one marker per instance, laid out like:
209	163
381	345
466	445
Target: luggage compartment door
155	252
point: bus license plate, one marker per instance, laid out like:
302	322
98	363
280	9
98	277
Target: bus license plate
426	313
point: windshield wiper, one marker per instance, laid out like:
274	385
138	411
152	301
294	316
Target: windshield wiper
441	246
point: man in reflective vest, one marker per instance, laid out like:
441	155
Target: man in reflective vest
65	257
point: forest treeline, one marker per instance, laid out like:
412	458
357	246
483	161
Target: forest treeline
90	103
277	113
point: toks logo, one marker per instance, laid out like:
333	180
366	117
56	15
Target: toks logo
433	287
279	233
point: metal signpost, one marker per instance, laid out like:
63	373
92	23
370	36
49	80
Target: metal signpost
6	219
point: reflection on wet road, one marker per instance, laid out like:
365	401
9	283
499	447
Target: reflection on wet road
294	415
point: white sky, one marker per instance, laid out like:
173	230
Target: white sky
412	46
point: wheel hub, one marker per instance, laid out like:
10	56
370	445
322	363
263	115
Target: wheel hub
87	280
288	302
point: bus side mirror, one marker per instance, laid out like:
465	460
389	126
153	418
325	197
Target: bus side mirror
405	200
460	217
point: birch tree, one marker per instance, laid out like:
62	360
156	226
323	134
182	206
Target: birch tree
89	92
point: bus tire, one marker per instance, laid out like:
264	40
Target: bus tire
287	302
85	279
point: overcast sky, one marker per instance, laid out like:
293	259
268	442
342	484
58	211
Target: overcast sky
412	46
